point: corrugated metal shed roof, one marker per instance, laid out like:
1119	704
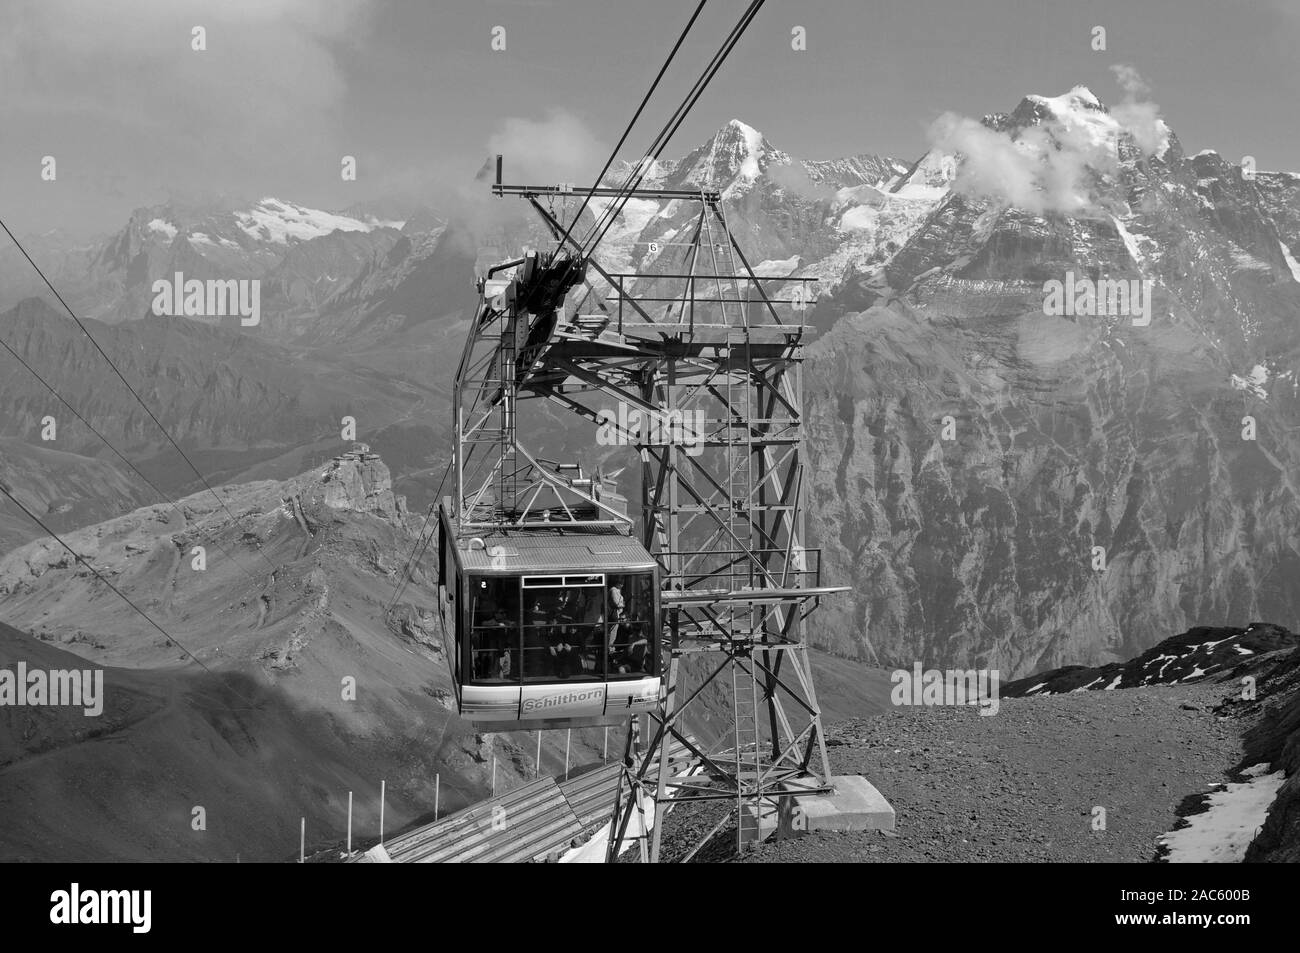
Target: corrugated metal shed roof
591	795
527	822
552	551
533	820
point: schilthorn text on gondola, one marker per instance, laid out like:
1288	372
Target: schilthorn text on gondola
566	698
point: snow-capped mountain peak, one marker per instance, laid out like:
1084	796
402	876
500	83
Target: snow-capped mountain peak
1076	120
733	158
1080	97
275	220
752	140
1080	119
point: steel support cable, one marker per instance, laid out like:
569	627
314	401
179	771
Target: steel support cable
117	592
615	208
412	560
127	384
670	128
637	115
91	427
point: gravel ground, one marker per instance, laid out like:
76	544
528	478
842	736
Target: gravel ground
1017	786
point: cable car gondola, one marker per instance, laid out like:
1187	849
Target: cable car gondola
549	627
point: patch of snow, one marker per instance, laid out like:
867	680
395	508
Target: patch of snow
274	220
1078	112
753	143
1253	382
166	228
616	247
1206	646
1221	834
1290	261
1166	659
777	267
1245	261
859	195
858	218
1115	684
1130	242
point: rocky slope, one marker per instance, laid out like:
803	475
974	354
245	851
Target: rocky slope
1275	740
287	614
1197	653
228	398
1033	776
65	490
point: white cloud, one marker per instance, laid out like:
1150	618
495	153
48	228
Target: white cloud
1048	168
269	66
795	178
1063	163
1137	114
559	148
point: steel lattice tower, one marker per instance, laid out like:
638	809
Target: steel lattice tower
696	345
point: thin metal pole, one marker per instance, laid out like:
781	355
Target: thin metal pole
568	737
494	775
604	757
382	786
538	766
349	822
437	784
302	842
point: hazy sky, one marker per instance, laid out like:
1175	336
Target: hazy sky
412	88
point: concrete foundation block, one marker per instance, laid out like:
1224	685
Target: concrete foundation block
854	804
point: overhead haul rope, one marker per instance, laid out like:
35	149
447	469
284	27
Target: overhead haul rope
91	427
118	592
637	115
134	393
615	208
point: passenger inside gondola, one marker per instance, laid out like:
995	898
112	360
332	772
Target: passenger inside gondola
556	628
565	651
495	629
538	657
631	604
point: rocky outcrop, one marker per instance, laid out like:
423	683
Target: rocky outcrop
357	481
1275	740
1199	653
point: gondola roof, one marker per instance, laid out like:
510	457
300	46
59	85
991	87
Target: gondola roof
553	551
